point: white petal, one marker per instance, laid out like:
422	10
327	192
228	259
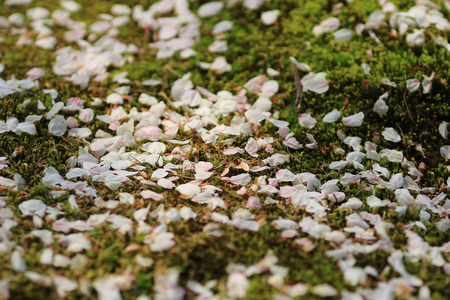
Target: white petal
57	126
64	285
220	65
338	165
380	107
147	194
252	147
285	176
17	262
355	120
232	151
269	88
241	179
445	151
324	290
343	35
126	198
301	66
412	84
315	82
165	183
332	116
270	17
443	129
307	121
114	98
366	68
46	43
210	9
27	127
33	207
386	81
391	135
54	110
80	132
237	285
86	115
272	72
404	197
416	38
222	26
188	190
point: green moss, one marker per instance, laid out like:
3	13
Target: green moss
253	47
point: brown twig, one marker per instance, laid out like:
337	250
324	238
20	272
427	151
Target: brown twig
404	140
291	155
146	35
169	68
164	95
407	107
298	86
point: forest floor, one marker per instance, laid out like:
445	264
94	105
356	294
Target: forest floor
152	150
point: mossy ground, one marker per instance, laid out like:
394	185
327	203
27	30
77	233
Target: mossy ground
253	47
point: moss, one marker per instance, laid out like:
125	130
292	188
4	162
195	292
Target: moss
253	47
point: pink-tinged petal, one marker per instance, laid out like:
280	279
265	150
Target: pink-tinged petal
412	84
237	285
64	285
241	179
270	17
147	194
86	115
427	83
307	121
355	120
315	82
188	190
386	81
252	147
292	143
445	151
285	176
232	151
35	73
254	202
220	65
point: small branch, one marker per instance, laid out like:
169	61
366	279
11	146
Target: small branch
164	95
298	86
407	107
146	35
404	140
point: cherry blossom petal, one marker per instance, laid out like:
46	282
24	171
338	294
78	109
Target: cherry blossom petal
355	120
315	82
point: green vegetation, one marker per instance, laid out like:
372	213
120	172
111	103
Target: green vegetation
252	48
